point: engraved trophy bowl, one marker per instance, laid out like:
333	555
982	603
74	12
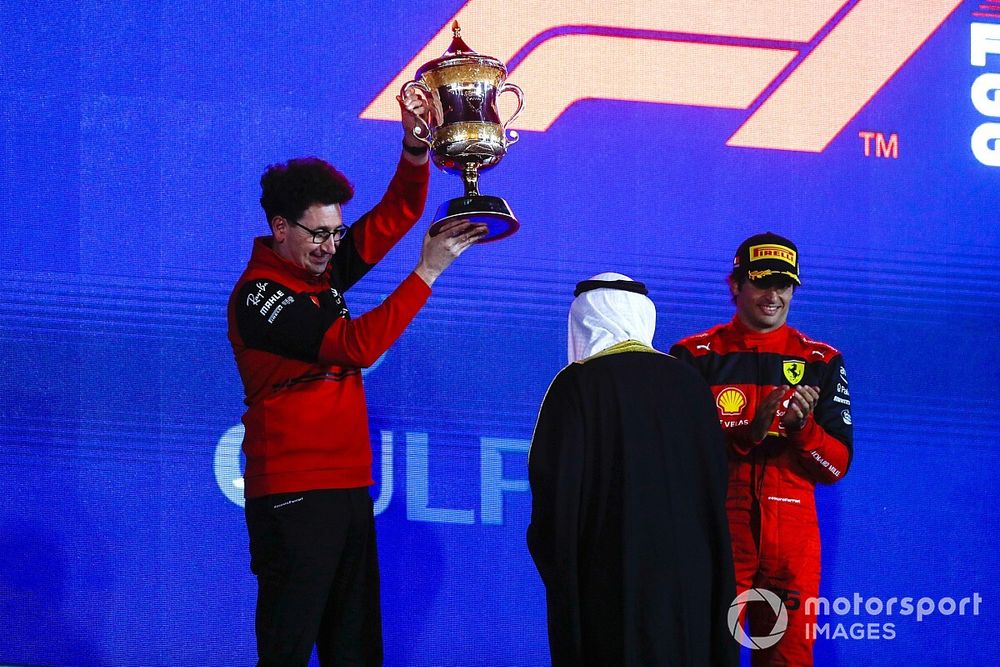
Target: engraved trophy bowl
464	132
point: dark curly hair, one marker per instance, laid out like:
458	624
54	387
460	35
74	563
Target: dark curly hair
288	189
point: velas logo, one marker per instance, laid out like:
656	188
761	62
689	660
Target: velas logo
772	251
736	616
791	65
731	401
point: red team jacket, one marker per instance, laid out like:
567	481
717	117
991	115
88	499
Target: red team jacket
299	352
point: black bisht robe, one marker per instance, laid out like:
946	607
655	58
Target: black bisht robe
628	524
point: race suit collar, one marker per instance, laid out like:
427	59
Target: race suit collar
752	334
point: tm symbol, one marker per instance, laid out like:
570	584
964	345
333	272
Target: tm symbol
884	148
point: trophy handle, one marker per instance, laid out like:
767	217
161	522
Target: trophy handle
422	131
519	94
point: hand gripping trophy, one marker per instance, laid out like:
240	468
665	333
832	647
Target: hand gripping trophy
464	133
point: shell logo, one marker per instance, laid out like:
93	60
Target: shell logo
731	401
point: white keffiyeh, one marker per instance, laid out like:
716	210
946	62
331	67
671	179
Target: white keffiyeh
600	318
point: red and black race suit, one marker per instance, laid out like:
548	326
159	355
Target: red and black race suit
770	502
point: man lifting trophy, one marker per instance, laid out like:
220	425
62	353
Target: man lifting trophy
464	131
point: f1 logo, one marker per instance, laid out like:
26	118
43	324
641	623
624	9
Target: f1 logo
804	67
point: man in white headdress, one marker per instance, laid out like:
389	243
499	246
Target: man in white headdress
628	480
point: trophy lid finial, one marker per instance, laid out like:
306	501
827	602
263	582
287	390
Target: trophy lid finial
458	45
460	54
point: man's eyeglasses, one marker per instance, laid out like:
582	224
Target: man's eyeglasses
319	236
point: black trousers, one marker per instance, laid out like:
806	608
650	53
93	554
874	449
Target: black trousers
315	559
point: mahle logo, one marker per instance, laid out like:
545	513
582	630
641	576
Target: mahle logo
792	64
737	608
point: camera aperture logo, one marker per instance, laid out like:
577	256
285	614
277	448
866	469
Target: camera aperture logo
736	613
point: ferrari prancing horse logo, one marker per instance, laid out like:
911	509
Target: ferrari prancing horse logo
793	370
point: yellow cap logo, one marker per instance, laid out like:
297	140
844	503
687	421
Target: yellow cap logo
731	401
772	251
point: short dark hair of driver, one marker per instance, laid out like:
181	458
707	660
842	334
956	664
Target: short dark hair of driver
288	189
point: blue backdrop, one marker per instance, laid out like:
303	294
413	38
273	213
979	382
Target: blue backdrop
133	136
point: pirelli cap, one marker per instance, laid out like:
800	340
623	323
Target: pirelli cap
764	255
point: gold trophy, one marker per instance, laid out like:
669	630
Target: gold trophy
464	134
